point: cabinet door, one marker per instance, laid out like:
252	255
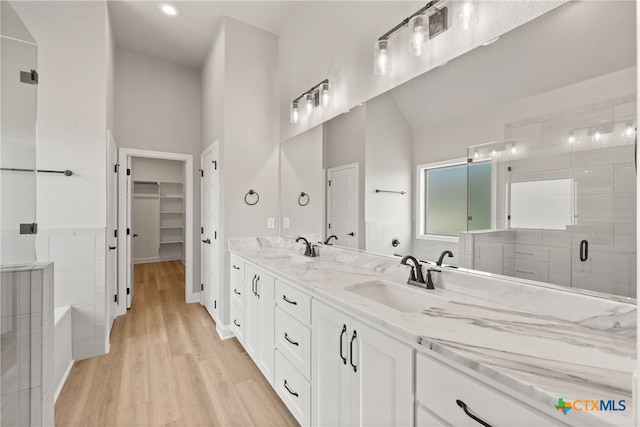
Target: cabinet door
265	285
329	367
252	313
381	382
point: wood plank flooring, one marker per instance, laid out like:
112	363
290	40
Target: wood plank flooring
168	367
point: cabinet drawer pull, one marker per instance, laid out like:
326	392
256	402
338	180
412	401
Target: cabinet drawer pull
286	337
289	390
284	297
257	282
353	338
235	291
473	417
253	284
236	267
236	323
344	331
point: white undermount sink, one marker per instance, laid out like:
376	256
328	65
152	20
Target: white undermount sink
398	297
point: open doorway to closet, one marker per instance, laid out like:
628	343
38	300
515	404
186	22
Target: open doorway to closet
156	217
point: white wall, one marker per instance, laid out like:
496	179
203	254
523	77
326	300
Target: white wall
388	166
144	169
301	171
344	143
158	108
239	106
332	40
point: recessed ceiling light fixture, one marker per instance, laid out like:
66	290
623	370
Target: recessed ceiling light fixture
168	10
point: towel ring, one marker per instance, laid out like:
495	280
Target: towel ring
301	197
251	193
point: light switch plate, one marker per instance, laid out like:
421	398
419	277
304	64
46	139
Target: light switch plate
271	223
285	222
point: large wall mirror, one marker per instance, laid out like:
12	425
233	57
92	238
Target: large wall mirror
517	156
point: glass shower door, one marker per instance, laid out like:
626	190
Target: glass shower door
18	141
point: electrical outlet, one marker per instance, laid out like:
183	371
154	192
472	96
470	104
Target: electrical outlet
271	223
285	222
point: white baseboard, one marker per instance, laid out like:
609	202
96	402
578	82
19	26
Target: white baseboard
224	332
64	380
193	297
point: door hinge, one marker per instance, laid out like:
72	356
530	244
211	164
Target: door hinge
509	169
215	235
202	286
128	291
115	233
201	230
215	304
329	226
509	217
469	160
115	298
128	171
469	218
215	164
201	173
329	183
128	231
29	77
31	228
116	167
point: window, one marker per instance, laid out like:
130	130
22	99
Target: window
454	196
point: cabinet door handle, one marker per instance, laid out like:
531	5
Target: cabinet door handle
284	297
289	390
253	284
111	248
236	267
353	338
584	251
257	282
236	323
235	291
344	331
286	337
473	417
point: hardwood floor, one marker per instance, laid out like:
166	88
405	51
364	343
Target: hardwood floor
167	367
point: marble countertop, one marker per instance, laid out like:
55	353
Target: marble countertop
544	343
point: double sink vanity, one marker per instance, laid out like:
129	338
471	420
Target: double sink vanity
344	340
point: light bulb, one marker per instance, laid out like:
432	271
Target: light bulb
572	139
630	131
467	16
310	102
382	64
295	112
325	95
597	136
418	36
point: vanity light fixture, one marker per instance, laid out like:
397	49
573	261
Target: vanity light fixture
318	95
422	26
168	9
467	15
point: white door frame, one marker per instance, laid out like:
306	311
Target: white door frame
124	153
328	200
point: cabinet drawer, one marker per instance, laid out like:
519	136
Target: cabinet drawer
532	253
293	340
237	322
293	389
237	291
294	302
438	387
237	267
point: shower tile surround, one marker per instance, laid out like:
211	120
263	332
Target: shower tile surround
543	341
26	359
605	203
78	255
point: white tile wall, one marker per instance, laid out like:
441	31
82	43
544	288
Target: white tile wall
78	255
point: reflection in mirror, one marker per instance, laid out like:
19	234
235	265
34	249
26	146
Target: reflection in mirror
561	173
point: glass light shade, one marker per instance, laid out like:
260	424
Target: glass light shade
325	94
309	102
294	114
418	30
382	65
467	15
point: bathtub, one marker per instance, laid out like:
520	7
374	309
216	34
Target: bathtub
63	360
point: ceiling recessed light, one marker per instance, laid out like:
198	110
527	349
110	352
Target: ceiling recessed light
168	10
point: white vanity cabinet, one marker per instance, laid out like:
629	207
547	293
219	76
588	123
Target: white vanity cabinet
237	292
259	318
360	376
440	388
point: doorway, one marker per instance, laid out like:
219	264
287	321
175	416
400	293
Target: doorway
167	206
342	204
